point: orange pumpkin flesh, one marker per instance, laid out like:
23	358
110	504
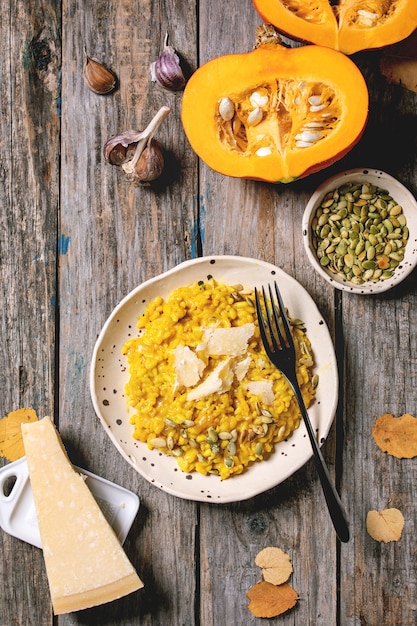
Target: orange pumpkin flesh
314	106
351	26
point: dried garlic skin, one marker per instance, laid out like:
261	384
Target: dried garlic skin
120	148
98	77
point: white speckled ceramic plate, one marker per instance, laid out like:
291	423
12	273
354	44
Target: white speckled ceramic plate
109	375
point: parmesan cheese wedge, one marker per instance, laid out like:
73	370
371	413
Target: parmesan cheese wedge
85	563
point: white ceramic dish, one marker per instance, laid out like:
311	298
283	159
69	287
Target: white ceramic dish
109	375
18	513
402	196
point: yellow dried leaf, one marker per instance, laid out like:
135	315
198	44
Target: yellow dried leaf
386	525
396	435
268	600
11	441
276	565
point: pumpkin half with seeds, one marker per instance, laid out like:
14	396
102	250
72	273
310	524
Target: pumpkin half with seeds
275	114
345	25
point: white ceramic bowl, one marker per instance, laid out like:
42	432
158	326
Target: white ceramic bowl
399	193
109	375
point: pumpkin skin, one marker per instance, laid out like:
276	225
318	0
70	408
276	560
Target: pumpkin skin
311	91
379	23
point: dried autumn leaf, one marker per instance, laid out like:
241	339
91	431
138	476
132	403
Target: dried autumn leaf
396	435
399	63
276	565
11	442
386	525
268	600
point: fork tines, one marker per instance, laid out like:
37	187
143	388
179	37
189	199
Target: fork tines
275	329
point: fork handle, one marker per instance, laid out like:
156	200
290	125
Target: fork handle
334	504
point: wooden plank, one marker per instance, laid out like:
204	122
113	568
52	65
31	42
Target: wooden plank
258	220
379	580
29	196
29	130
118	236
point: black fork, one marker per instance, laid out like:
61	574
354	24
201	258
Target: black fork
279	345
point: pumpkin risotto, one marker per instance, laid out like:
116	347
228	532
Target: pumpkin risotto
201	385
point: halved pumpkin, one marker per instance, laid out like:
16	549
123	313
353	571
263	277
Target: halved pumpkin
345	25
275	113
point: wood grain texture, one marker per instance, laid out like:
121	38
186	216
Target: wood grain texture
29	199
76	237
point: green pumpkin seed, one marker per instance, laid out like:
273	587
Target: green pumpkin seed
396	210
259	449
231	448
370	253
386	274
212	435
367	275
349	260
397	256
158	442
225	436
369	265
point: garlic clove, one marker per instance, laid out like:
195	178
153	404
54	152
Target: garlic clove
98	77
166	70
150	164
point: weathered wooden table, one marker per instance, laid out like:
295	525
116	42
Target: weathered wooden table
75	238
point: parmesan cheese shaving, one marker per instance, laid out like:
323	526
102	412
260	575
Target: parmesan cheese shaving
188	367
262	388
241	368
218	381
228	341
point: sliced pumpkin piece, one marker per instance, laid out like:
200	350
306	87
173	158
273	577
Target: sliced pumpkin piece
345	25
275	113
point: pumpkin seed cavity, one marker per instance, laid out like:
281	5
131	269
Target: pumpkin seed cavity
359	13
280	117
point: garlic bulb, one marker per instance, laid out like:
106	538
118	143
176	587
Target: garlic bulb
98	77
140	156
150	163
166	70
